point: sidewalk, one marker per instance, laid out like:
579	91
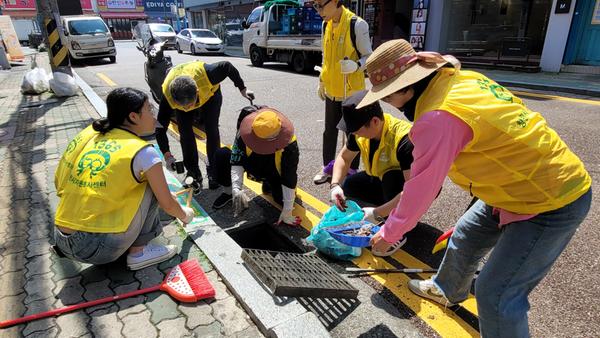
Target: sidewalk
34	132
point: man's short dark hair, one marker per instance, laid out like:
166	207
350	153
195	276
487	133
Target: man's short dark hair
184	90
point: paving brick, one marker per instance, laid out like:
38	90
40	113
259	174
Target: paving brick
162	307
250	332
39	325
11	283
13	262
138	325
69	291
221	291
233	318
38	247
92	274
104	323
197	314
149	276
64	267
52	332
172	328
38	265
13	245
12	307
166	266
129	302
209	331
121	276
39	287
137	308
97	290
72	324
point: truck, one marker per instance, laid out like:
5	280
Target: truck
283	31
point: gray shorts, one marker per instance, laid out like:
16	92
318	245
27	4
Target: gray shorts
102	248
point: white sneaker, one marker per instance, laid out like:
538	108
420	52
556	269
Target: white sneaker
391	250
321	177
152	254
427	289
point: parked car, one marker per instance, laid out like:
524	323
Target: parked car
233	34
199	41
163	32
88	37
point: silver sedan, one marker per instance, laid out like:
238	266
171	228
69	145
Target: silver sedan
199	41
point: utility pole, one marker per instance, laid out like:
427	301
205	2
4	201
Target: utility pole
52	31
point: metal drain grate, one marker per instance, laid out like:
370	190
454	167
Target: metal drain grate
296	275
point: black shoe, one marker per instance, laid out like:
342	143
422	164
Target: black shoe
212	183
222	201
196	184
266	188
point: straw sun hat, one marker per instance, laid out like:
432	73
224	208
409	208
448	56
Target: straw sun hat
395	65
266	131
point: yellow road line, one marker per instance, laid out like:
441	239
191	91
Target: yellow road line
555	97
106	79
444	321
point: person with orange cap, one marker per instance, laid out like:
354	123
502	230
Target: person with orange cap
265	147
533	191
346	47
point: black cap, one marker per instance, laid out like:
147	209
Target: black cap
353	119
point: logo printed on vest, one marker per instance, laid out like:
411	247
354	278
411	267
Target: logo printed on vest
522	121
383	157
97	160
497	90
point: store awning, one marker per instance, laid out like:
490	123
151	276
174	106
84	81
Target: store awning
124	15
20	13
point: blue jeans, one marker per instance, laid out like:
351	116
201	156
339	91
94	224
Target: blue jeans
102	248
523	254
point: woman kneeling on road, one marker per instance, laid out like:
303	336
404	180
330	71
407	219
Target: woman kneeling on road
533	191
110	183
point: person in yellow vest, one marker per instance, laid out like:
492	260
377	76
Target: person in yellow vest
533	191
265	147
386	151
110	183
192	91
346	47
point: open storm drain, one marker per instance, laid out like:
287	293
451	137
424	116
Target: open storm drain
297	275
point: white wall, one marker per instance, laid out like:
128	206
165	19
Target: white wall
555	42
434	25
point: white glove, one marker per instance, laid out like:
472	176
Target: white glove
348	66
289	195
170	162
237	177
321	91
240	201
337	197
370	215
189	214
287	218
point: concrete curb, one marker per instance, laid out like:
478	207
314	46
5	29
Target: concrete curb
550	87
91	95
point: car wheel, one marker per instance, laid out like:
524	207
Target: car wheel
178	48
192	49
256	56
112	59
300	63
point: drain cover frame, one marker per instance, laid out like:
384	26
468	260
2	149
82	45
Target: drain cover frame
288	274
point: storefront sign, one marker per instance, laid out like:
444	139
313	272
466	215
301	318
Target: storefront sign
30	4
161	5
562	6
120	4
419	24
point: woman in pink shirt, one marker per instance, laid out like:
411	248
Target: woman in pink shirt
532	191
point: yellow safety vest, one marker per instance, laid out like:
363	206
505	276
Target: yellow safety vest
385	157
195	70
515	161
337	44
94	180
277	154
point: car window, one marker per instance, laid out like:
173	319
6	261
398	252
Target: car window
233	27
203	34
162	28
254	16
186	34
92	26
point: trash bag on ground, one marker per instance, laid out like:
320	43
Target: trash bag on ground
35	81
326	244
63	84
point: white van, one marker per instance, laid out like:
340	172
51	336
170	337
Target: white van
88	37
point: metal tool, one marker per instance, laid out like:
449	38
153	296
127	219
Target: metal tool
359	270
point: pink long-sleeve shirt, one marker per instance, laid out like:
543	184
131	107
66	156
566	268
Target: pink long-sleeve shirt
438	138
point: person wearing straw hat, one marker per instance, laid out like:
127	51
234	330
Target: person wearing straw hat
346	47
383	143
532	190
265	147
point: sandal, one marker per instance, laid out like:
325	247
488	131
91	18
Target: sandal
392	249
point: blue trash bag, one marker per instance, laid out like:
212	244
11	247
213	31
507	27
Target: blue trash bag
326	244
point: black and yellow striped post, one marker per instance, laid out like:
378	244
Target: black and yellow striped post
59	55
52	31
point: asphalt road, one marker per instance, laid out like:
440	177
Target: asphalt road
565	304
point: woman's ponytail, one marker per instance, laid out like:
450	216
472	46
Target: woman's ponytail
101	125
120	103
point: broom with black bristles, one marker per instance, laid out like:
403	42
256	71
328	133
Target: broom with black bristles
186	282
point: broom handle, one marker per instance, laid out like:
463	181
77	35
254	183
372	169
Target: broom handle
70	308
358	270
